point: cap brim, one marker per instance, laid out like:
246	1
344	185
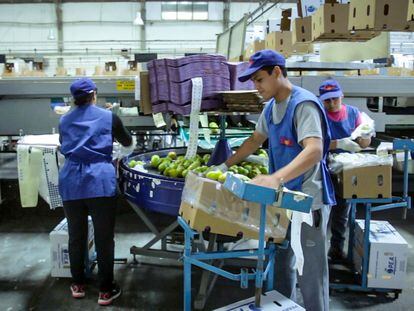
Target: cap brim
244	76
330	95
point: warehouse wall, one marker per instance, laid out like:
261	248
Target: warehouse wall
96	32
23	23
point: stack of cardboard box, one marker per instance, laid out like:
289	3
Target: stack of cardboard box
285	41
387	265
206	204
381	15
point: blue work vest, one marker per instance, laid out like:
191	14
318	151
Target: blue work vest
284	146
343	128
86	143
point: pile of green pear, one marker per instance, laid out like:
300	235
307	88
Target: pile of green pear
178	167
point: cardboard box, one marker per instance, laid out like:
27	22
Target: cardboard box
207	204
59	249
381	15
387	266
330	23
145	100
280	41
364	182
303	30
302	48
254	47
270	301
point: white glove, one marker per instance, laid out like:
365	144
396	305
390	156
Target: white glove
120	151
126	151
222	167
347	144
256	159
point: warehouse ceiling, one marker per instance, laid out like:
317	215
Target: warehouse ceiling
52	1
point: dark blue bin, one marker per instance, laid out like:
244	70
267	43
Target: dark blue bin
152	191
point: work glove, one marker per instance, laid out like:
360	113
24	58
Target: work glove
222	168
120	151
257	159
347	144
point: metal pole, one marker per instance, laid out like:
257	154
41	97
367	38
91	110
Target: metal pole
259	267
270	275
365	258
222	126
59	25
187	271
143	35
405	190
351	231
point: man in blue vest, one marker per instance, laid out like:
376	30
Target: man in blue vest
343	120
87	185
295	125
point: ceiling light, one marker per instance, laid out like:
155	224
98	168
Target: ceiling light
51	35
138	19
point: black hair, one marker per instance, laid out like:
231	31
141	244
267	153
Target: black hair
269	70
84	100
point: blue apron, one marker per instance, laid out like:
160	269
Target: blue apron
86	136
284	146
344	128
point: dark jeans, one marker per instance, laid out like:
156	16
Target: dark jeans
339	222
102	210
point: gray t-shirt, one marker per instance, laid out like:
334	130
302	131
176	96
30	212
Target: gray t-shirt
307	122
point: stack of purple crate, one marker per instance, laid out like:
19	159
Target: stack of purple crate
171	86
235	70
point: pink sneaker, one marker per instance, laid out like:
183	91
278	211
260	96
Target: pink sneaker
106	298
78	290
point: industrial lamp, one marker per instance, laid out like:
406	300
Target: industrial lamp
138	19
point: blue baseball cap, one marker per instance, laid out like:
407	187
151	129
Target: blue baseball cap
82	87
261	59
330	89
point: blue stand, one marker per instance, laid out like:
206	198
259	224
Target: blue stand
380	204
252	193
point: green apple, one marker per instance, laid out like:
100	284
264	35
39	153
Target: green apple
155	160
172	155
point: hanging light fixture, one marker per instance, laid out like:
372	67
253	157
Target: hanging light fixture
51	35
138	19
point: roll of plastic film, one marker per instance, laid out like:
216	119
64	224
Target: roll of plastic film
197	93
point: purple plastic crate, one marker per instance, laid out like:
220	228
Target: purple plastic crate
189	71
235	70
206	104
194	58
181	93
160	107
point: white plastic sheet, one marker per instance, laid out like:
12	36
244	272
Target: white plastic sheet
346	161
366	129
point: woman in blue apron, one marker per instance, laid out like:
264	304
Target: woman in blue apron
87	185
343	120
295	125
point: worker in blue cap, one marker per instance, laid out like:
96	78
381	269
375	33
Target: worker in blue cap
294	123
87	185
343	120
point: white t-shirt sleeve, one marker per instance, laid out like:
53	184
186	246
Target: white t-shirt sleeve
261	125
308	121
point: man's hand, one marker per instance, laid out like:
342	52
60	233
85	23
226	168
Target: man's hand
348	144
270	181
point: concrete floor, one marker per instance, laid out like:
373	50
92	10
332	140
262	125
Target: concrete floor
25	282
